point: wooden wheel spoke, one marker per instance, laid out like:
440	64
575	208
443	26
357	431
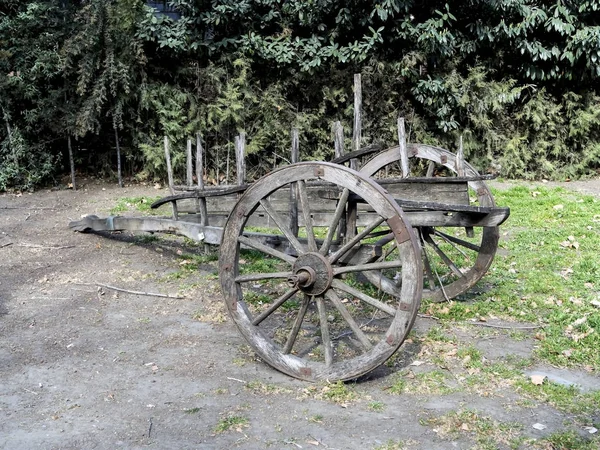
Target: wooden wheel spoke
355	240
380	265
428	271
339	284
261	276
289	344
285	229
466	244
310	234
337	302
266	249
325	338
443	256
271	309
337	216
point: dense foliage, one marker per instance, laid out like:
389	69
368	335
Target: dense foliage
517	78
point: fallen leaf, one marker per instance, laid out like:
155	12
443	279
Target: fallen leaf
558	207
464	427
417	363
311	442
539	426
538	379
566	272
534	194
591	430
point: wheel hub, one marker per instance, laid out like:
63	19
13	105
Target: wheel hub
312	274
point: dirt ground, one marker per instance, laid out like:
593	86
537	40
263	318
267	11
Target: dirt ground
87	367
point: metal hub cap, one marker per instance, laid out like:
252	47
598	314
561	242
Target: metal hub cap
312	274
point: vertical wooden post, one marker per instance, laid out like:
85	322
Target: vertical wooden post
71	162
189	164
295	156
118	157
199	163
201	201
460	158
357	131
170	176
338	131
240	150
403	150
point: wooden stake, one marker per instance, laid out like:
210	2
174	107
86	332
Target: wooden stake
295	156
169	169
170	177
118	157
189	164
71	162
402	145
240	150
460	158
201	202
338	130
357	131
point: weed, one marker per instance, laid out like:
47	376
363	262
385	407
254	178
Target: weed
568	440
140	204
317	418
146	239
376	406
191	411
258	387
231	422
391	445
564	398
338	393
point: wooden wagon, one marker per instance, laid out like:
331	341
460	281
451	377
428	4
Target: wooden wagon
322	266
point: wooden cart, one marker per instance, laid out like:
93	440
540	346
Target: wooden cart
323	267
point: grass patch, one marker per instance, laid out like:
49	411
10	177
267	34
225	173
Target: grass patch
568	440
550	274
488	433
139	204
546	272
228	423
565	398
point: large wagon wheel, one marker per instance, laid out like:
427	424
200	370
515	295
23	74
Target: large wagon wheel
454	259
298	300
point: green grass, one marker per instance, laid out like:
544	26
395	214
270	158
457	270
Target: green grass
231	422
547	272
140	204
565	398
